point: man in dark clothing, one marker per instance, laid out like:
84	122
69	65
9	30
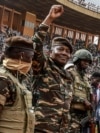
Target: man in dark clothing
51	82
95	82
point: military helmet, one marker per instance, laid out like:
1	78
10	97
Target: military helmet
82	54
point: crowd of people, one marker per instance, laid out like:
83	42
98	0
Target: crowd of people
88	5
38	94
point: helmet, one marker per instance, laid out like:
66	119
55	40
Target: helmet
82	54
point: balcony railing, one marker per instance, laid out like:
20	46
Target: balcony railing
87	5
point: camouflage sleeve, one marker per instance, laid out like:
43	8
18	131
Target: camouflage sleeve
38	39
4	91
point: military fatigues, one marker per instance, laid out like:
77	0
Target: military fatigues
55	91
82	90
17	115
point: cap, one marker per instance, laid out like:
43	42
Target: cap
19	42
61	40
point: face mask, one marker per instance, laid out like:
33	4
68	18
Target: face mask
14	64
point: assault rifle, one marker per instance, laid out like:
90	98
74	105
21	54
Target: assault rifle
90	124
85	125
84	121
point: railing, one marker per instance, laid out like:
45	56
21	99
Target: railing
87	5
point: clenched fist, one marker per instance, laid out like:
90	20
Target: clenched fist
55	12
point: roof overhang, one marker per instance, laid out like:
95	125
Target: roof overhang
74	17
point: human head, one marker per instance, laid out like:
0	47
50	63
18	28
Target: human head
61	50
18	54
95	79
83	58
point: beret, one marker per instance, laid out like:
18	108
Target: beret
19	42
61	40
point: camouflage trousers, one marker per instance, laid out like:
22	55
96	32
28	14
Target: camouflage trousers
76	117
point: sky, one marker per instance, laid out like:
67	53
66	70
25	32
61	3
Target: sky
96	2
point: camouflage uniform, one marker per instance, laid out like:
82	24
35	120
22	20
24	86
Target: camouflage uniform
17	101
82	90
16	112
55	90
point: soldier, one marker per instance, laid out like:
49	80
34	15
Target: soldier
52	86
80	105
15	100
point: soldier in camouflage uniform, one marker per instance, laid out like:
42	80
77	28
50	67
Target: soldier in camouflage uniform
15	100
80	106
51	82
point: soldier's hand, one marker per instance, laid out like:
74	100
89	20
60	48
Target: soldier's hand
88	105
55	12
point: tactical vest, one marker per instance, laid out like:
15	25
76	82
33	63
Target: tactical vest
81	89
20	117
